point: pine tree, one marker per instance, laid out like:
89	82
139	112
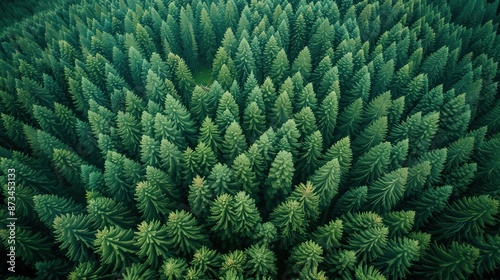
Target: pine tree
306	121
280	175
244	62
206	260
371	136
471	213
185	81
253	121
261	262
435	63
189	44
174	268
289	219
282	109
210	135
48	207
220	180
76	235
307	255
302	63
170	158
234	142
181	118
322	39
326	181
349	119
208	37
106	212
151	201
270	52
371	165
306	98
246	213
455	261
398	257
329	235
384	193
243	176
280	67
116	246
144	40
222	216
151	239
184	233
428	202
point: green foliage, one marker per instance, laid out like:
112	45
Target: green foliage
184	233
76	235
115	245
151	239
246	139
455	261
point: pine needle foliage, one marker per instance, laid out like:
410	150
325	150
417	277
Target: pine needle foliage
244	139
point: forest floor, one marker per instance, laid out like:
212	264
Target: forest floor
203	76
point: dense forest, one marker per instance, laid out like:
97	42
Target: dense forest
262	139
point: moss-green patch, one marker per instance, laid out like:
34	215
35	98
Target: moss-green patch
203	76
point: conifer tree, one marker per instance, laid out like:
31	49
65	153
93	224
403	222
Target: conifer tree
244	61
282	109
115	246
105	212
151	239
151	201
456	260
289	219
189	44
280	67
280	175
234	142
184	233
307	255
48	207
306	98
310	154
76	235
302	63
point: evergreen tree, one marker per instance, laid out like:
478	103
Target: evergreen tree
151	239
243	176
244	61
384	193
261	262
306	98
208	37
282	109
76	235
326	181
398	257
115	246
48	207
151	201
184	233
455	261
310	154
302	63
234	142
289	219
189	44
322	39
280	175
106	212
280	67
471	213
